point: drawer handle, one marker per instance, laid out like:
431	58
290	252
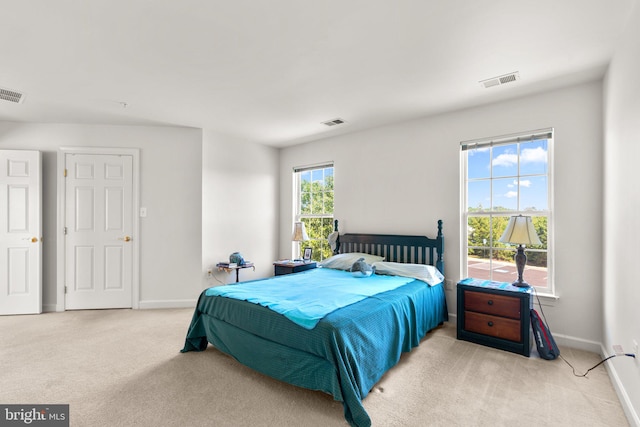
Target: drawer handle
490	302
490	323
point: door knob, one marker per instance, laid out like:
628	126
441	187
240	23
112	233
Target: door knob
125	238
34	239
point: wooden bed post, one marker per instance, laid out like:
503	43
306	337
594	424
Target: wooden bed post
335	228
440	248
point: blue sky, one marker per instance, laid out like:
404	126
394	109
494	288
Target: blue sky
317	174
501	163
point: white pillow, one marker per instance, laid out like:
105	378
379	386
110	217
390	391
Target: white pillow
345	261
426	273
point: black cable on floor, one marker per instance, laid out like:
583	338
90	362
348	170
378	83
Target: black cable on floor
565	360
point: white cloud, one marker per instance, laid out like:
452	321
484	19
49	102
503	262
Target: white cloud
511	194
533	155
506	160
528	155
478	150
523	183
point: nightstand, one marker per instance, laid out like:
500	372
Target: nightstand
289	267
495	314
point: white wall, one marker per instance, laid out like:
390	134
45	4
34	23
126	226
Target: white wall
403	178
239	210
170	189
622	212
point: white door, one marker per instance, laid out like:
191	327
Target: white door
20	232
98	227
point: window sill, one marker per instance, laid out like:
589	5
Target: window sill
546	299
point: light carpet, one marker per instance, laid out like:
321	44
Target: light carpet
124	368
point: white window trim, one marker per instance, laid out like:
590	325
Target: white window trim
548	293
297	216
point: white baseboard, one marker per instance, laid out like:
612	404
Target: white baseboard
625	401
579	343
598	348
52	308
48	308
185	303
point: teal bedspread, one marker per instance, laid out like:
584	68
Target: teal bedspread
345	354
306	302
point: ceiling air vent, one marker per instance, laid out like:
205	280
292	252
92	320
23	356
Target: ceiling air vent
11	95
333	122
500	80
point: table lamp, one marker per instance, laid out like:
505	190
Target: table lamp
520	231
299	233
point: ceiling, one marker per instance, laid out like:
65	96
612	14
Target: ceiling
272	71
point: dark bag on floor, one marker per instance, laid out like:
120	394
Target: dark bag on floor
547	348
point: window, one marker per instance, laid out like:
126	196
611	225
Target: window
507	176
314	207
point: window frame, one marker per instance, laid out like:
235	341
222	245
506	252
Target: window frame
297	247
517	138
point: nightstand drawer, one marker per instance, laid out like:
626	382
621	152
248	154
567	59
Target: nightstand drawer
499	327
498	305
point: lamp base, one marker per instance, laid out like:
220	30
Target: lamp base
521	284
521	261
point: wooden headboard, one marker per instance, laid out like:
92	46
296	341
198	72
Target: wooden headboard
396	248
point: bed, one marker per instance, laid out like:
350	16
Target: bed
345	351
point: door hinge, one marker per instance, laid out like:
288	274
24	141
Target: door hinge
65	289
64	231
65	173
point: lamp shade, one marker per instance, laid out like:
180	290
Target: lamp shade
299	232
520	230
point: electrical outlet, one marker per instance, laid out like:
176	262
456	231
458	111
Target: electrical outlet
617	348
448	284
209	273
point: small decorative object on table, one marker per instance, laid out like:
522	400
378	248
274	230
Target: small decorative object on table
236	258
307	254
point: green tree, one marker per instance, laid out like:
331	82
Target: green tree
484	232
316	209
